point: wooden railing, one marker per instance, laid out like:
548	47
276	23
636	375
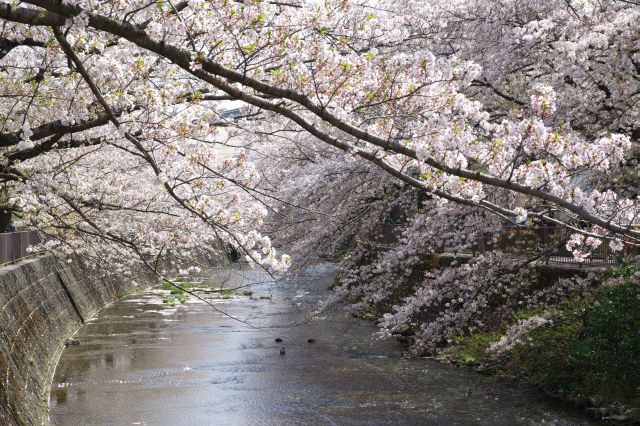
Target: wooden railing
13	245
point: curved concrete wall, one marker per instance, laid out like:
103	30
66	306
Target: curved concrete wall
44	301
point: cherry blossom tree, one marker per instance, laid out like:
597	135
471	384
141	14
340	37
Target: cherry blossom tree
437	305
109	125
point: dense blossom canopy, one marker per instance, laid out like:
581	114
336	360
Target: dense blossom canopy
110	124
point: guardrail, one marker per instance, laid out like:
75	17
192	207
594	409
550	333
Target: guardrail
388	234
516	240
13	245
530	240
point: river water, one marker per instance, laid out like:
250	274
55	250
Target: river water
144	362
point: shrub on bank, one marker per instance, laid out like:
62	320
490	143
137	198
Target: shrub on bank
593	353
585	349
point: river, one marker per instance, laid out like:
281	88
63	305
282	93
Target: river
144	362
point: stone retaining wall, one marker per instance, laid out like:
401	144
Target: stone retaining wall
44	301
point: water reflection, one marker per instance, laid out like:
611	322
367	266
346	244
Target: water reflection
143	362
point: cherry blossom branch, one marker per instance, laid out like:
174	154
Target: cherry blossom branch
217	73
68	50
57	127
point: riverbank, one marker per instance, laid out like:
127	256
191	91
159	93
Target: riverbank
570	333
44	301
583	351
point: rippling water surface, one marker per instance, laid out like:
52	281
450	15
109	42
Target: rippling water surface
144	362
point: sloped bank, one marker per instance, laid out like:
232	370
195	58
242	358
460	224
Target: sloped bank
571	332
584	350
43	302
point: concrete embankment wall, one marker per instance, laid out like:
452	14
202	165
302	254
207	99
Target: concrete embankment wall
44	301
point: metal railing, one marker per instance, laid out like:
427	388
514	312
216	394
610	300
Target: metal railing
532	240
13	245
387	234
517	240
